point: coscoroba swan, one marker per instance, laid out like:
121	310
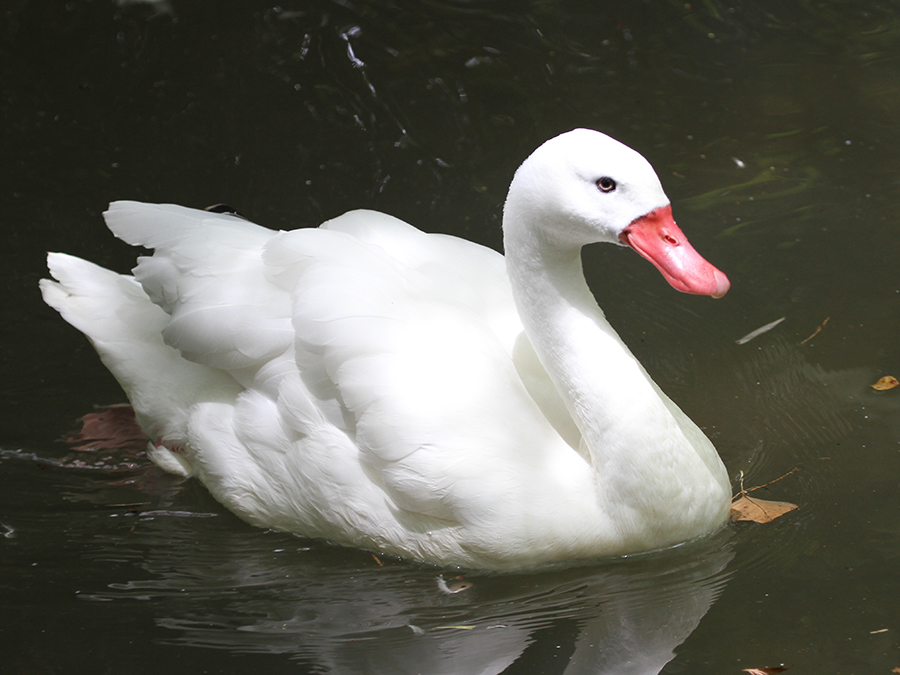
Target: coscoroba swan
411	393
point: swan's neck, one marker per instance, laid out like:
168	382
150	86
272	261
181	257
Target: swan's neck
656	474
601	382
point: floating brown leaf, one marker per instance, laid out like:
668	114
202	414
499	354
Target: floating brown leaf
886	382
759	510
766	671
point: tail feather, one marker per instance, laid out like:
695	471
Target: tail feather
105	306
125	328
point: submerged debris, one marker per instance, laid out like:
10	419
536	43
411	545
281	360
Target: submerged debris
759	331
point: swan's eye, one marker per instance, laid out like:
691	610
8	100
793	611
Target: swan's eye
606	184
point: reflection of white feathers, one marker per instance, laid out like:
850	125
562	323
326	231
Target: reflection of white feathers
341	615
371	384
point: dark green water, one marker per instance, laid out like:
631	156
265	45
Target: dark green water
775	128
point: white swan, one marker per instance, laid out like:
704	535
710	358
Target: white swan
412	393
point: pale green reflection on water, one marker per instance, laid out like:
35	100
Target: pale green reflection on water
774	127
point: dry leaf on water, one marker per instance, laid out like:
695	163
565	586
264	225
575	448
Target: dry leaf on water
759	510
886	382
766	671
745	507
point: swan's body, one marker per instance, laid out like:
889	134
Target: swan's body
380	387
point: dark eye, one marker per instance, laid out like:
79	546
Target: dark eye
606	184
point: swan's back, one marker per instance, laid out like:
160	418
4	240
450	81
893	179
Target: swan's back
228	284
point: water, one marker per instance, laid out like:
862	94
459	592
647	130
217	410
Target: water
774	127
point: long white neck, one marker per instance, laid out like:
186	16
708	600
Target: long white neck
597	376
651	463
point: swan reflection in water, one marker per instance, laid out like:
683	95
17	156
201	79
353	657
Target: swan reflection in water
338	609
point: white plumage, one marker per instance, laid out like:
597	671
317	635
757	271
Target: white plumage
380	387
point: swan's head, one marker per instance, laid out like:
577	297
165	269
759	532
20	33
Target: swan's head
584	187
